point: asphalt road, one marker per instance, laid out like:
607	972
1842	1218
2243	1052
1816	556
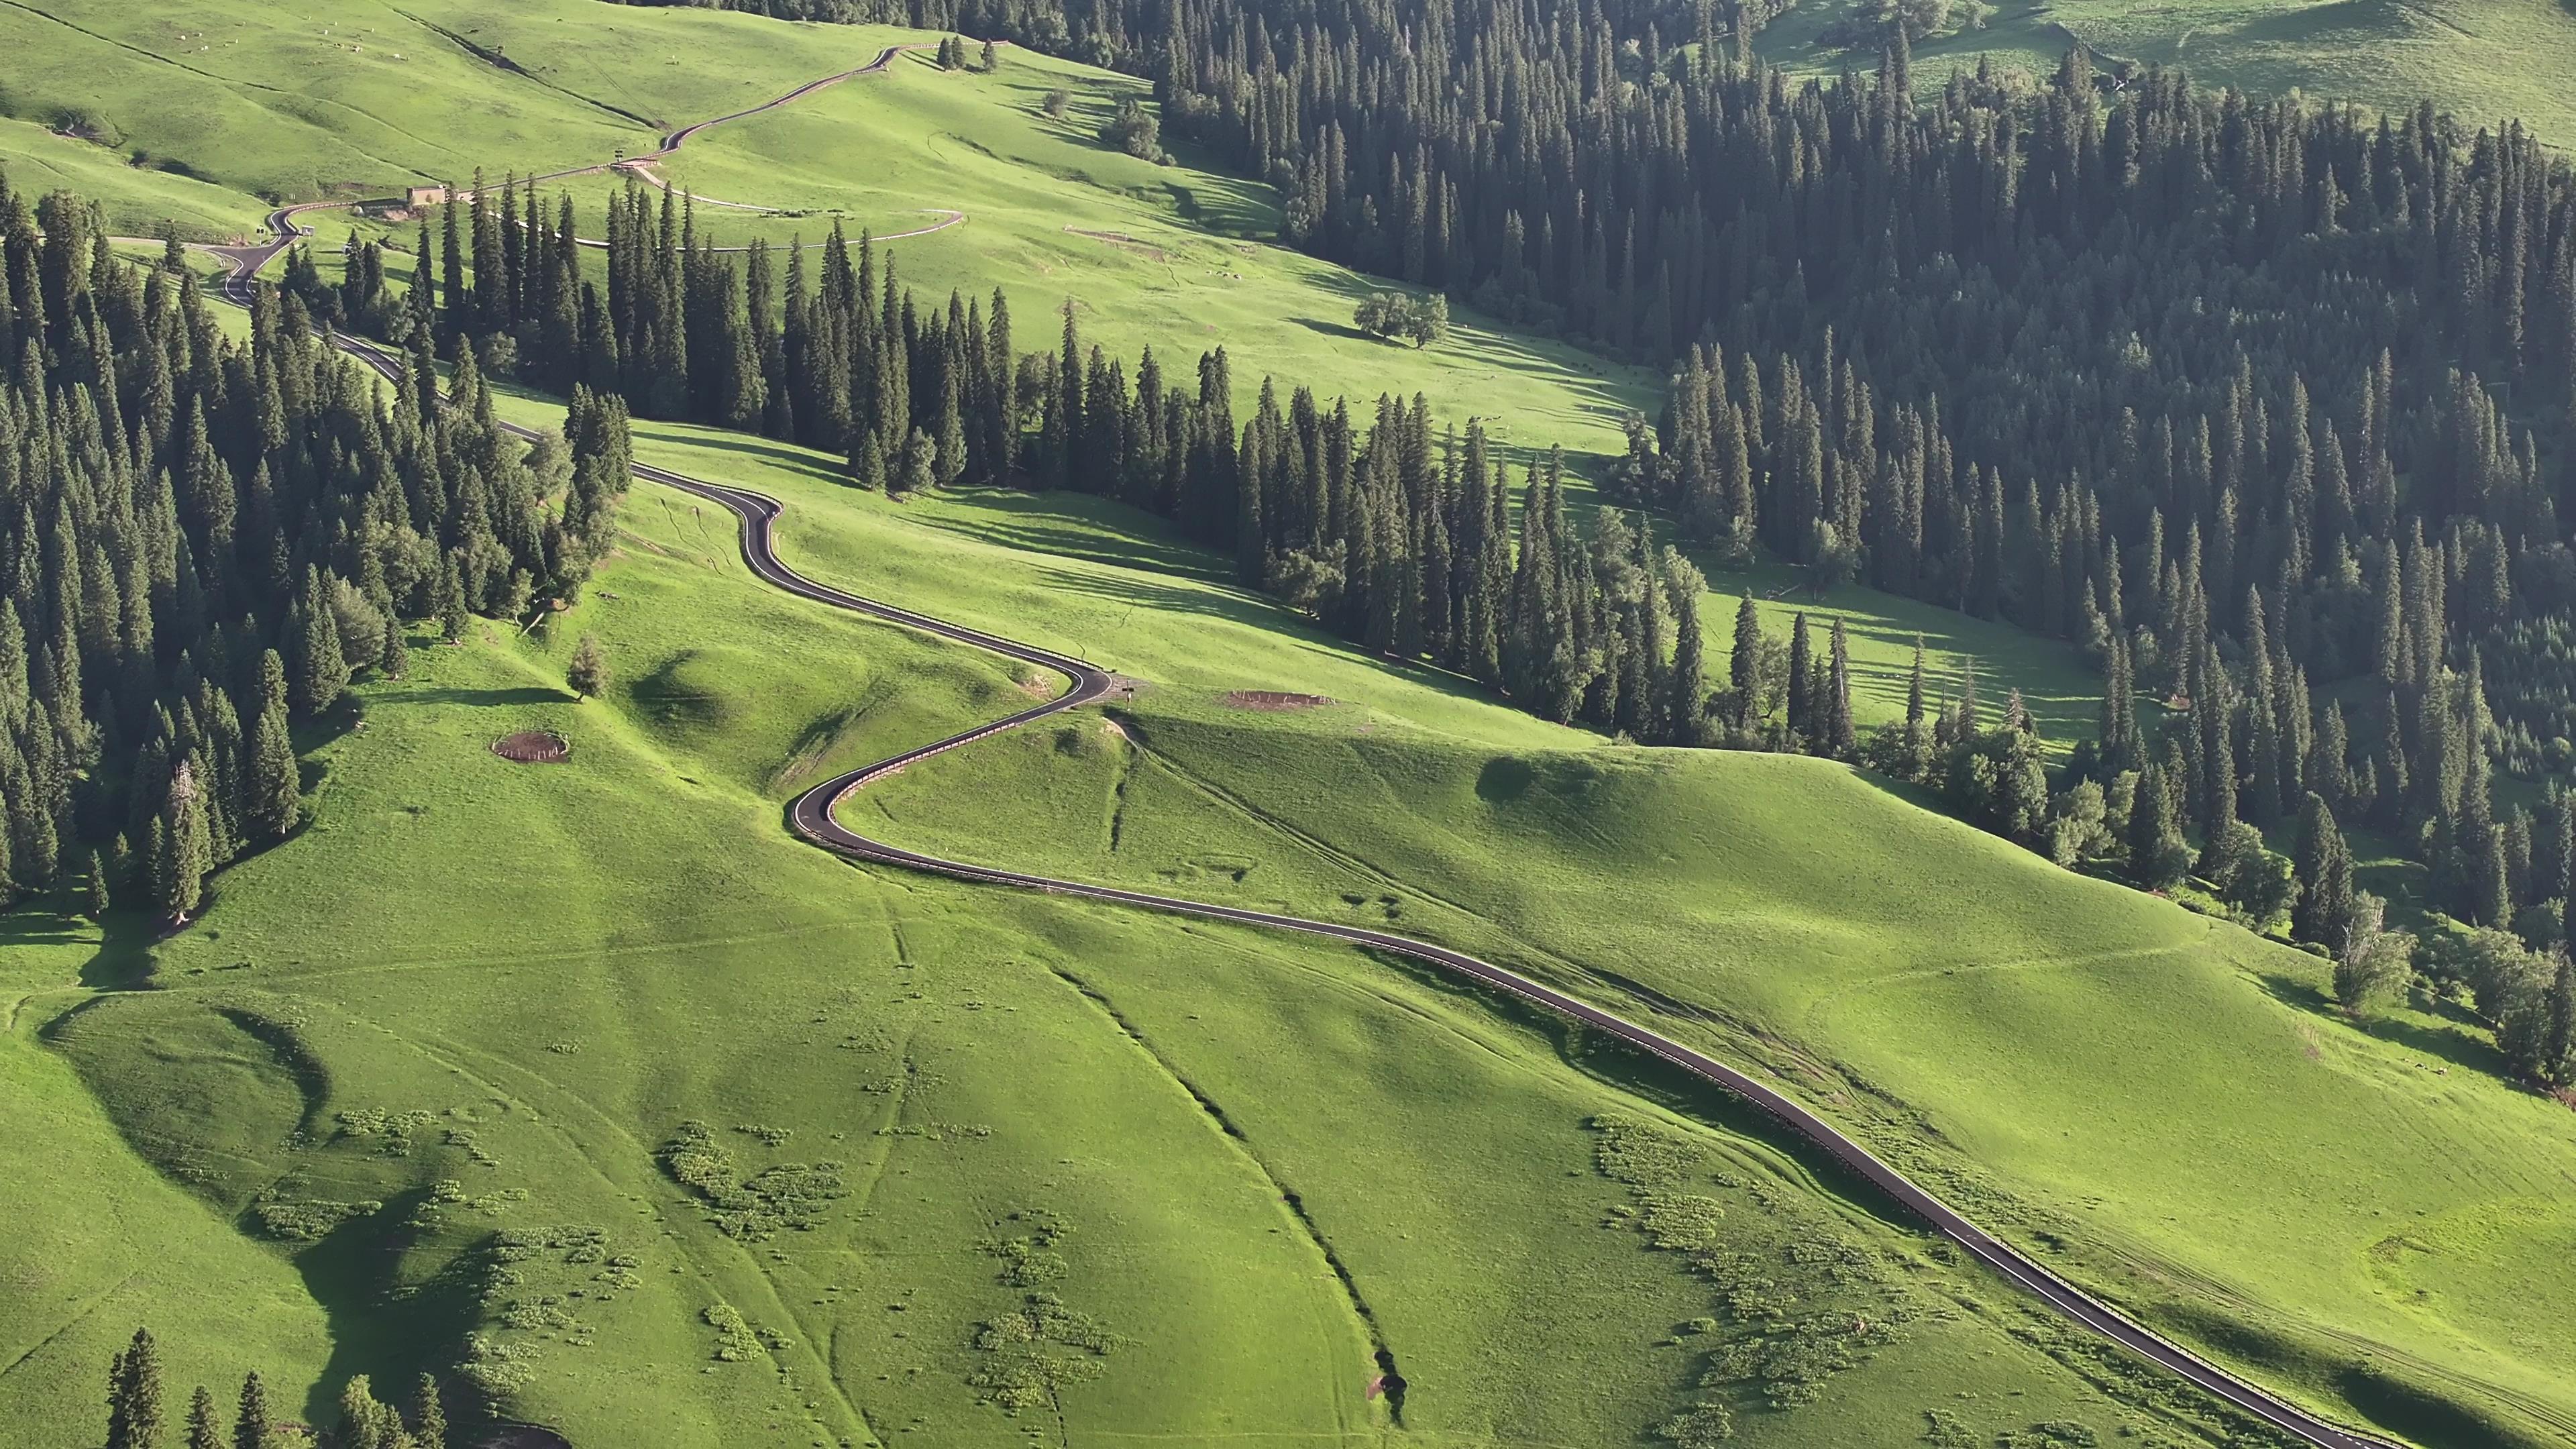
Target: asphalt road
811	816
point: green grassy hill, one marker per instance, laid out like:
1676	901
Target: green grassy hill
438	1117
1894	966
2488	61
420	1085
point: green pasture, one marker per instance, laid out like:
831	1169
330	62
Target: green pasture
2487	61
1896	966
434	1119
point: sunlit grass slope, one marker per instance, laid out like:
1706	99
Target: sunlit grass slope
2488	61
2160	1103
409	1087
2197	1117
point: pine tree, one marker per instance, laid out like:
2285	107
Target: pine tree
2558	1030
2158	855
395	662
867	462
1917	734
321	671
251	1419
96	906
915	471
429	1416
1686	703
449	602
186	852
204	1431
134	1396
273	786
1802	707
1840	738
2324	870
1744	665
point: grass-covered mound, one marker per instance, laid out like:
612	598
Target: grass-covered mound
2164	1105
674	1131
2196	1115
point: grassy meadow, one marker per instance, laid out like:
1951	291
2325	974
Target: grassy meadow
677	1132
2487	61
451	1115
1893	966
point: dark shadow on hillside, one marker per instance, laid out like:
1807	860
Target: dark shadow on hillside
123	961
2458	1043
669	698
1912	794
1505	777
1253	612
794	459
38	924
1333	329
525	694
2420	1412
1028	521
379	1325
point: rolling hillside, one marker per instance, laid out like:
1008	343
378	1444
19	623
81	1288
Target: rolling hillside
673	1131
2490	62
452	1110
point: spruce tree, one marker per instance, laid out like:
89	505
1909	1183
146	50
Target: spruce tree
96	905
429	1416
2158	855
185	850
1802	706
1840	737
204	1431
273	787
321	672
251	1419
916	472
134	1397
2324	869
1686	704
1744	665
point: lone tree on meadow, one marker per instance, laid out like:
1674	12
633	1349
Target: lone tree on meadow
589	672
1389	315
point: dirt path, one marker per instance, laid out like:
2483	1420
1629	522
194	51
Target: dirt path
286	227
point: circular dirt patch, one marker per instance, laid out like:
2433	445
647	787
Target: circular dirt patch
533	747
1273	699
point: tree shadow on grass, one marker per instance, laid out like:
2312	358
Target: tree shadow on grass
2457	1042
1040	527
1333	329
444	694
799	461
124	960
380	1325
1253	611
1907	791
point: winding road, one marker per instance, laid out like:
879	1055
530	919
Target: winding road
812	816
